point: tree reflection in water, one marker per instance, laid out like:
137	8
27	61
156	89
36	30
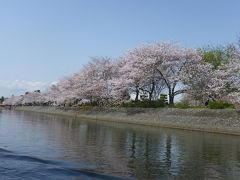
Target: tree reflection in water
124	150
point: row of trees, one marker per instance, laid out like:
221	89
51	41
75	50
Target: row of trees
148	71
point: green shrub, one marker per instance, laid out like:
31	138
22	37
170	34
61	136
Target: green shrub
219	105
182	105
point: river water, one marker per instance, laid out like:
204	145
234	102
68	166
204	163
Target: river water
37	146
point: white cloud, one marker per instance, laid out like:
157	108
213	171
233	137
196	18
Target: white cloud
21	86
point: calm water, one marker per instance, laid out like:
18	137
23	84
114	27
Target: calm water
36	146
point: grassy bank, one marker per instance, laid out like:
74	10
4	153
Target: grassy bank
225	121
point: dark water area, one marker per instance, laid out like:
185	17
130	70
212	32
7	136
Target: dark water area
37	146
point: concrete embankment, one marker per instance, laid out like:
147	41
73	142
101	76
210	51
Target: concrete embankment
225	121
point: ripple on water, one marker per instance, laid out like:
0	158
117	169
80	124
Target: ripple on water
16	166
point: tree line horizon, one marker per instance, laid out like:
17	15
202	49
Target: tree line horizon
146	72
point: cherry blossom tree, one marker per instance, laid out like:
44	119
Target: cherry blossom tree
13	101
30	98
93	82
197	80
153	64
33	98
145	71
226	82
61	93
96	79
52	95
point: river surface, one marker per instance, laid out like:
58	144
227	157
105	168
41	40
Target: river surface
37	146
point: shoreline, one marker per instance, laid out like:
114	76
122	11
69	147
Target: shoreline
226	121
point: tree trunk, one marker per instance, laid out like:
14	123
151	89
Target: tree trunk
171	96
137	95
151	92
171	99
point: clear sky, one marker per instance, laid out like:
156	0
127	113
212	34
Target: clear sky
44	40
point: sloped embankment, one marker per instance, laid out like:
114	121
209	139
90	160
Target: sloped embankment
219	121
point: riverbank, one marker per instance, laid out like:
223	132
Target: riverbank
225	121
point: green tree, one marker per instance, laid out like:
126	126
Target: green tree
216	55
2	99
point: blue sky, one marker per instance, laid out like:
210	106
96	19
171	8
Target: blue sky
44	40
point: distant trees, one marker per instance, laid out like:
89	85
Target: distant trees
2	100
14	100
33	98
147	71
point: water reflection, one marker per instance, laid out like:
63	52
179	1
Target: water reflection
122	150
